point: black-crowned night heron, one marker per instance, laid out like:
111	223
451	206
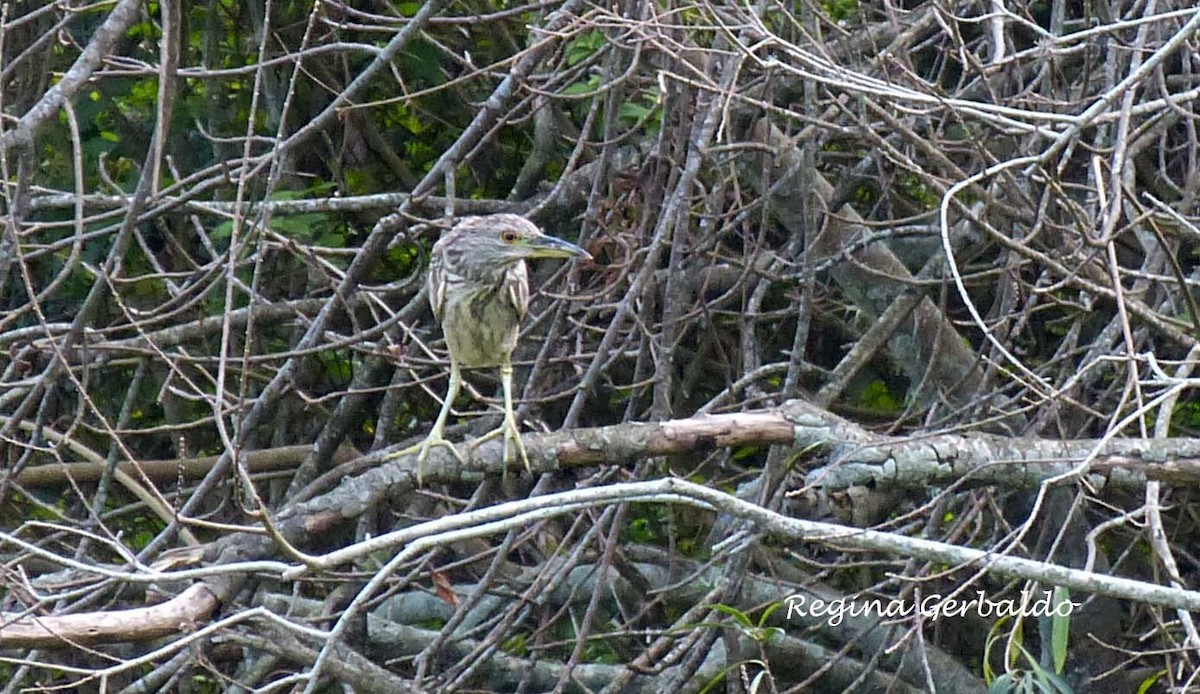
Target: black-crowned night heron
479	290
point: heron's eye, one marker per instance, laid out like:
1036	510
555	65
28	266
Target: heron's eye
509	236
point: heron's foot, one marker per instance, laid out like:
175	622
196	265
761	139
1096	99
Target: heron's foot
512	438
422	451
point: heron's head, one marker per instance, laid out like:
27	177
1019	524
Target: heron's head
501	239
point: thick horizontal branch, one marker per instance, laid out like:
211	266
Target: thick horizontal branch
383	202
569	191
856	456
184	612
265	460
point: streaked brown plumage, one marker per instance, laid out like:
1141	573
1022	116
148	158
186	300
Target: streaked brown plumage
479	290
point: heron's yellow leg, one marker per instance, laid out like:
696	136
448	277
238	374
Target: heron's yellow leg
435	435
508	428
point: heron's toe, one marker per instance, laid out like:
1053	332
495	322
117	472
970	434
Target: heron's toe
515	437
448	446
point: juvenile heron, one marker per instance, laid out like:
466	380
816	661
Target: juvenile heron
479	290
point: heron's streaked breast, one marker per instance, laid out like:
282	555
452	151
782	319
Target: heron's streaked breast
481	322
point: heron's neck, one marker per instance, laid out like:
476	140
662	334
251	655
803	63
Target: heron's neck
486	271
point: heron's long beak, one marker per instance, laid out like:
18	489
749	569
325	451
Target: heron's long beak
551	247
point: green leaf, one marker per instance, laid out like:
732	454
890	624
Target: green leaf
1060	627
633	111
298	226
740	617
1150	681
639	530
591	84
223	232
584	47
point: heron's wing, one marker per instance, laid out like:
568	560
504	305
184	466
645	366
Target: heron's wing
436	280
516	279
